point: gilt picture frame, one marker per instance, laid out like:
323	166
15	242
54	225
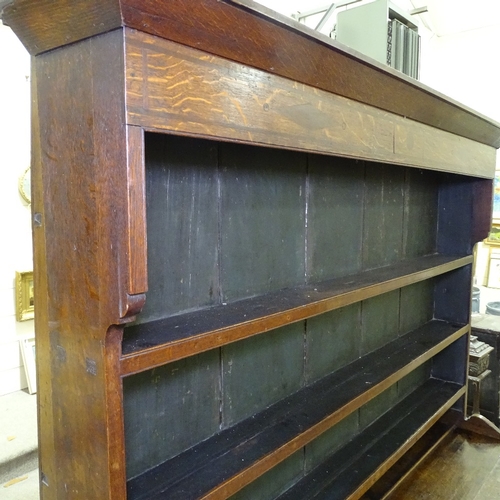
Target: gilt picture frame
494	235
25	305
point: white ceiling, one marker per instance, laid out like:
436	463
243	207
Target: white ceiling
446	17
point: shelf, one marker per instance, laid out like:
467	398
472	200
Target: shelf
407	464
224	463
350	471
158	342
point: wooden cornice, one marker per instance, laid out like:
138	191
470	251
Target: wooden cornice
245	32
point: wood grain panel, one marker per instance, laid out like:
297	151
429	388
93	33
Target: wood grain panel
274	482
244	104
383	215
262	214
335	195
417	305
279	357
169	409
182	225
330	441
240	103
439	150
420	225
332	341
379	319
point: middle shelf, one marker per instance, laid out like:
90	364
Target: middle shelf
237	455
162	341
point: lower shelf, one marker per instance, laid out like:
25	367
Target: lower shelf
350	471
226	462
416	455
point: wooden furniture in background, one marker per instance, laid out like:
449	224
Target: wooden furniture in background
252	252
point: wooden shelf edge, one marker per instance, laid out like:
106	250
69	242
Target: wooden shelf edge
412	459
139	360
271	457
437	409
315	431
409	443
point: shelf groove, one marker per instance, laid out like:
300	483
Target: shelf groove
159	342
231	459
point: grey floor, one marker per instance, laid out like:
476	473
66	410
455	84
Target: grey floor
18	449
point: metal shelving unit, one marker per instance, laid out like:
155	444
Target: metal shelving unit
383	31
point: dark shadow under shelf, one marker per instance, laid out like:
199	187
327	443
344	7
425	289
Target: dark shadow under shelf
353	469
234	457
158	342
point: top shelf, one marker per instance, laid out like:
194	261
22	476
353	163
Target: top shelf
158	342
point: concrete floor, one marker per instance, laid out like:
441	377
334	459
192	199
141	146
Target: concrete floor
24	487
19	447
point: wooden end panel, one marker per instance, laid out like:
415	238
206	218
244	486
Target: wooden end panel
137	237
116	476
80	246
45	409
465	210
182	90
482	209
83	179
